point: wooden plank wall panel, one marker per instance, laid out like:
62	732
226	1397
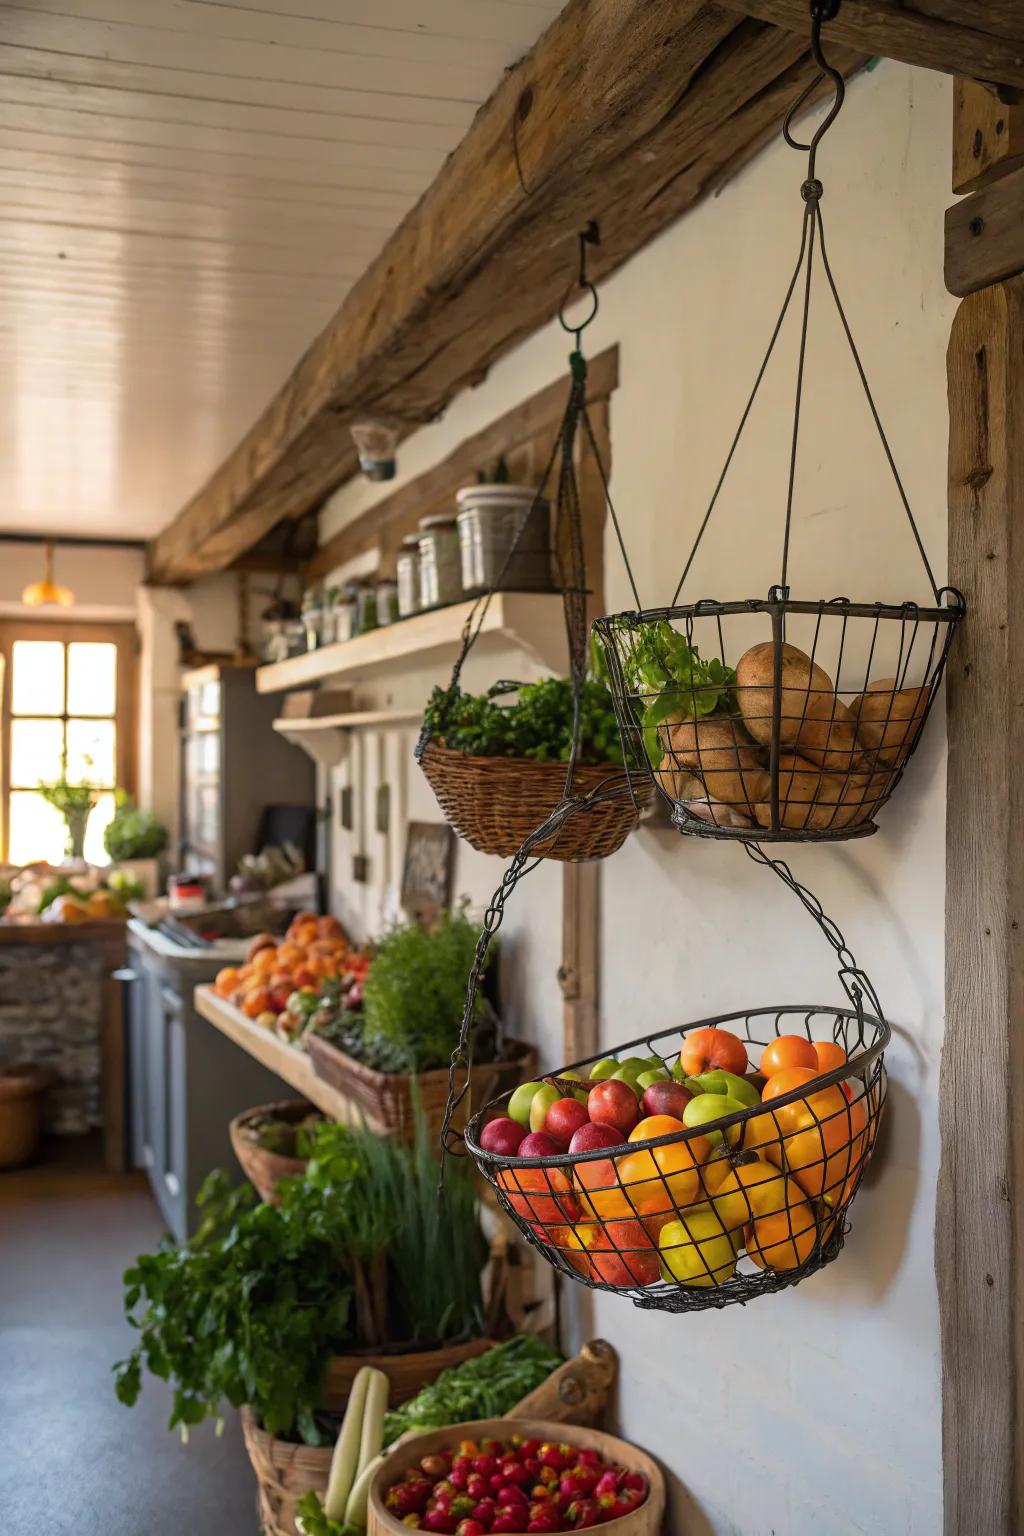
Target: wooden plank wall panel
187	190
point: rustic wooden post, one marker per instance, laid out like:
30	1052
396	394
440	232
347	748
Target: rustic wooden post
980	1220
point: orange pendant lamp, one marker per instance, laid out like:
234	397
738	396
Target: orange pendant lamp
47	593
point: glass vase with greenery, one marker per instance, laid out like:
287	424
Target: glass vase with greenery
76	803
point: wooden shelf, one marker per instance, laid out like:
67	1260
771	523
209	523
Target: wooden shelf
325	737
531	620
291	1065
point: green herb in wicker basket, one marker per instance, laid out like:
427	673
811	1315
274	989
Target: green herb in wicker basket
486	1387
538	726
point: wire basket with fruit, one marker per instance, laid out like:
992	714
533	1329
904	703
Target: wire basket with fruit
700	1165
673	1173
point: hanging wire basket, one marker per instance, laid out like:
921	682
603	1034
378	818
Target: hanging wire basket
748	734
771	718
738	1206
496	804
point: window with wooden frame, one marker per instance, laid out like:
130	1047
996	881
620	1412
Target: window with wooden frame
68	704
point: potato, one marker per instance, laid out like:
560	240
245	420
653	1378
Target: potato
691	793
721	754
887	719
809	799
810	716
863	793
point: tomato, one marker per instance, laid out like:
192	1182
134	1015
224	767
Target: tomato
829	1055
788	1051
708	1049
785	1081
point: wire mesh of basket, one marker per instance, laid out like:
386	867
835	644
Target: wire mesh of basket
739	1206
776	720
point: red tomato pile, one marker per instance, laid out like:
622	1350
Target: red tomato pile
770	1185
514	1485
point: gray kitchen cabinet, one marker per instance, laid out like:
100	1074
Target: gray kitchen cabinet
186	1079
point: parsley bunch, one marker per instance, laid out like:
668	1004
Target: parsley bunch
537	726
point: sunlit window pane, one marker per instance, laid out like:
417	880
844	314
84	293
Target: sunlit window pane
37	680
36	749
37	830
92	678
101	817
91	752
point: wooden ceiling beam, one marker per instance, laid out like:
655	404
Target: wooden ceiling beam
627	112
980	38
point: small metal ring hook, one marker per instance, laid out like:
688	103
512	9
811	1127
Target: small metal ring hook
589	236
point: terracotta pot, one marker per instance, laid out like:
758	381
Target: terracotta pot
22	1091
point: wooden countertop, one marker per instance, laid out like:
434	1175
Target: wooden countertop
110	930
290	1064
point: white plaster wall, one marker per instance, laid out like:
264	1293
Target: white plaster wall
817	1412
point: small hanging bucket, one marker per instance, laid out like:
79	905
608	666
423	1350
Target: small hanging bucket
770	718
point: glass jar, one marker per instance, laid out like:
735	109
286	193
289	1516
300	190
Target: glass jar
387	601
408	572
364	597
440	562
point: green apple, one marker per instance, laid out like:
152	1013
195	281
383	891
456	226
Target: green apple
541	1102
697	1250
655	1075
629	1071
582	1094
678	1072
604	1068
727	1082
712	1106
657	1064
520	1102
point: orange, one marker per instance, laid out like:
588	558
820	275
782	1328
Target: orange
759	1131
226	980
785	1081
264	961
784	1240
787	1051
255	1002
830	1056
824	1144
662	1180
655	1126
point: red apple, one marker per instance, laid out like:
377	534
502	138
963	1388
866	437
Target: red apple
538	1144
613	1102
597	1173
665	1099
502	1136
712	1049
593	1135
541	1196
617	1253
564	1119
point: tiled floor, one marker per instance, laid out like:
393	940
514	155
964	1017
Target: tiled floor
73	1461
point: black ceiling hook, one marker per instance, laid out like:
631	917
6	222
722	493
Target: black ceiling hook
821	11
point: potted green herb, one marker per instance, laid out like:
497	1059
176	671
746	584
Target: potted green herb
392	1055
134	839
75	802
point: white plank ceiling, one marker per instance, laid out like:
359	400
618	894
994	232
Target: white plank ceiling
187	190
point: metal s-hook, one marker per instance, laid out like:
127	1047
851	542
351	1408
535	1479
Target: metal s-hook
591	235
821	11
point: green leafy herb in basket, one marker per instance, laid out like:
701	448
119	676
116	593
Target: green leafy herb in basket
669	680
486	1387
537	726
252	1309
414	995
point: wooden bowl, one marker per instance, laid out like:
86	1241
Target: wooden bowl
644	1521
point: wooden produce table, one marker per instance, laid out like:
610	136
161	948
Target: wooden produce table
287	1061
60	1007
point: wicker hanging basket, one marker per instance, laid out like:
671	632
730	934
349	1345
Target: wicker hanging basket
495	803
391	1097
262	1167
